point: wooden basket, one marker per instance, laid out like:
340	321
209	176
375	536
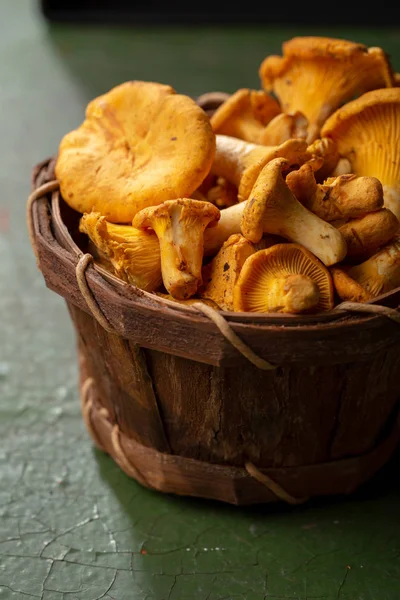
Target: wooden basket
238	407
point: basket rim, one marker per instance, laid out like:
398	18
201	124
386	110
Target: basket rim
65	239
156	323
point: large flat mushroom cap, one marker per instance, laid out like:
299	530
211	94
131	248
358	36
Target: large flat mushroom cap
140	144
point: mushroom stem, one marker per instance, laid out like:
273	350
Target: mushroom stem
272	208
228	224
179	225
240	162
293	294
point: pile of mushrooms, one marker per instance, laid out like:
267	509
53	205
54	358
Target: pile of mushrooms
286	199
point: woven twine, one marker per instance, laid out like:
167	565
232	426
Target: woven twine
39	192
215	316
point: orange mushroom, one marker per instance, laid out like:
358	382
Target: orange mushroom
244	115
326	150
133	254
223	193
345	196
367	234
221	274
240	162
140	144
285	278
367	134
316	75
377	275
179	225
272	208
285	127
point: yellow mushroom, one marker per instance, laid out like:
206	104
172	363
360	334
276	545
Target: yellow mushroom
244	115
367	134
377	275
345	196
285	127
326	150
179	225
223	193
133	254
347	288
221	274
316	75
367	234
285	278
140	144
240	162
272	208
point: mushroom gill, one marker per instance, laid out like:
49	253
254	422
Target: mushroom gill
316	75
285	278
367	134
133	254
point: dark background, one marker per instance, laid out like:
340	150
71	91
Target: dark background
125	11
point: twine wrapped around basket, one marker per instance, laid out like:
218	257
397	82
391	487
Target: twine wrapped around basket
238	407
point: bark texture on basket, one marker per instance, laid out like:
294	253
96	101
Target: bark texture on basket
171	473
286	417
188	418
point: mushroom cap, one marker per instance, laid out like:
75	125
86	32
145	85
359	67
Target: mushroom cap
248	104
254	290
192	211
221	274
316	75
245	114
140	144
347	288
285	127
365	235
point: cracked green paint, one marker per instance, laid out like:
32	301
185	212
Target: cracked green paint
72	525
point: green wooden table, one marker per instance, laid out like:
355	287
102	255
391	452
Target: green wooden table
72	525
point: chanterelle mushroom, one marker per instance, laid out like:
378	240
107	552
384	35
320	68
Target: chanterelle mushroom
377	275
244	115
285	278
240	162
221	274
367	133
140	144
345	196
272	208
316	75
367	234
134	254
179	225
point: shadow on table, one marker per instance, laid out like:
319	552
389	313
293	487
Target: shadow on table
383	486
